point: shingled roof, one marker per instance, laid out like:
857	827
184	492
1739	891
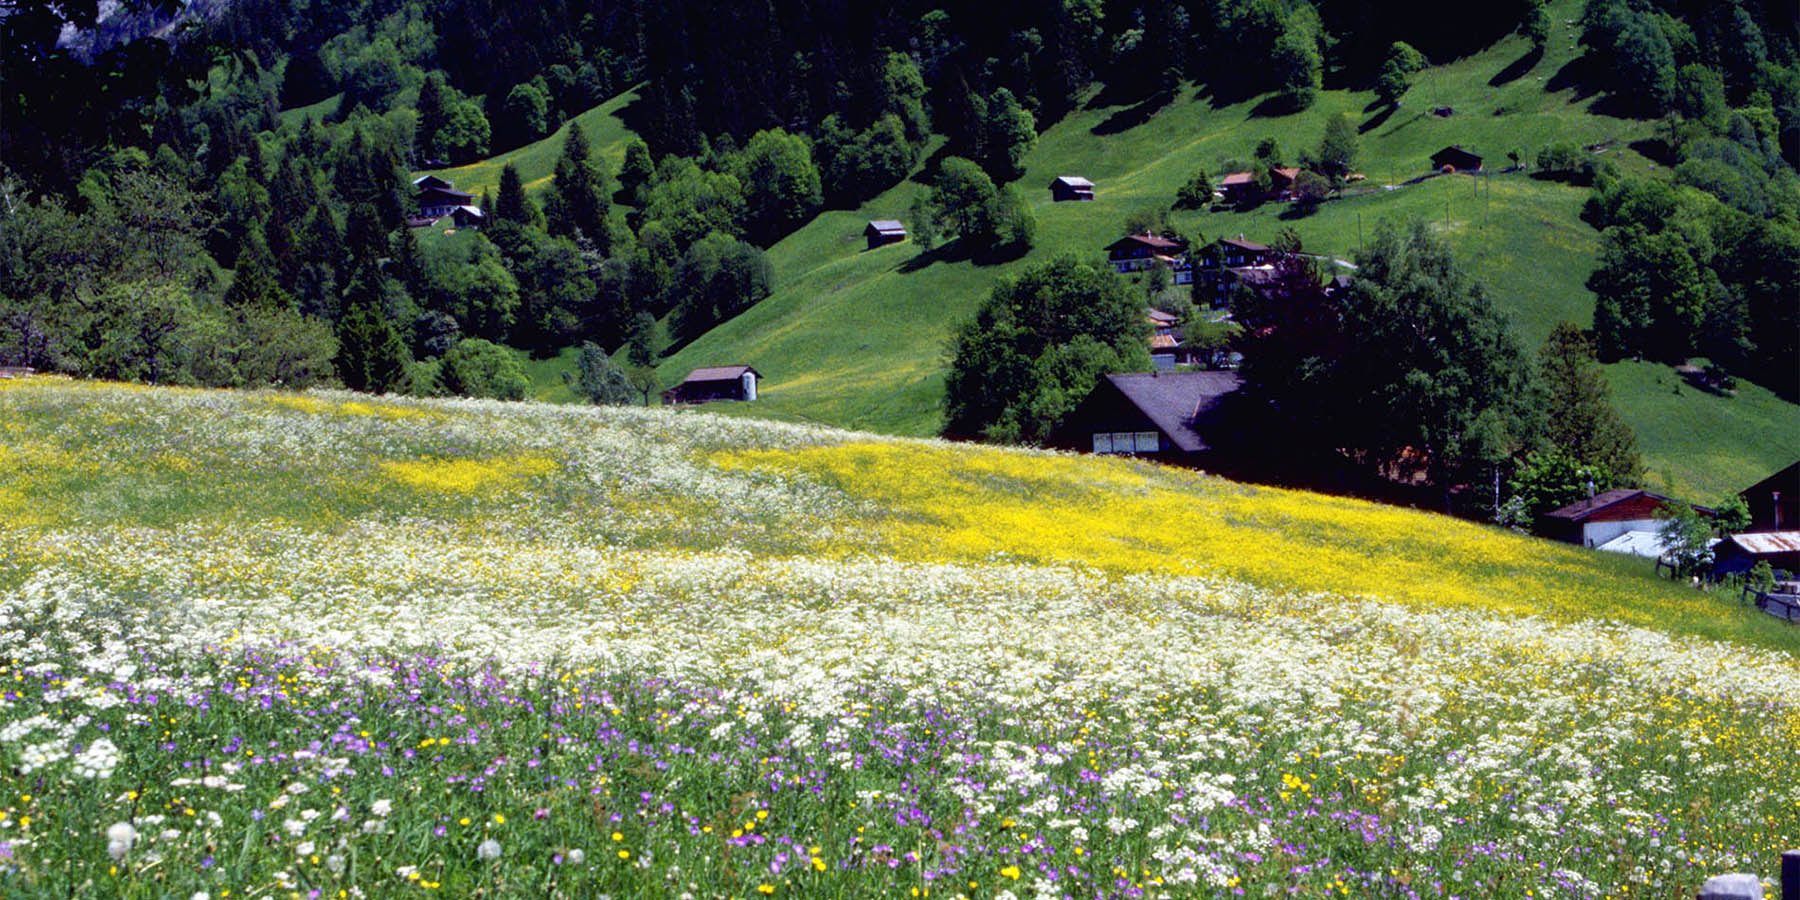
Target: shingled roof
1174	401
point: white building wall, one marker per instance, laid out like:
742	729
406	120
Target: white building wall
1593	534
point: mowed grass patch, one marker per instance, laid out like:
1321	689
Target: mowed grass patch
537	160
1700	445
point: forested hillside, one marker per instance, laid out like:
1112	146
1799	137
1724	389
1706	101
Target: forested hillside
226	202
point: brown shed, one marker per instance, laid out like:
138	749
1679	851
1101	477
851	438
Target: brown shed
1071	187
1455	158
710	383
881	232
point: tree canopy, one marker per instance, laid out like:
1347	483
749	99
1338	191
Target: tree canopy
1037	346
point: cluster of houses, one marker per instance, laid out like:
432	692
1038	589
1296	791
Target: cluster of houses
439	199
1624	521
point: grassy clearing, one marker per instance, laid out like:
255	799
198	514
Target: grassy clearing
261	644
1705	446
315	111
537	160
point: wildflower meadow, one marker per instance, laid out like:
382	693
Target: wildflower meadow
265	645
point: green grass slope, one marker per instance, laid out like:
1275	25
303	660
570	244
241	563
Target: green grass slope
857	338
537	160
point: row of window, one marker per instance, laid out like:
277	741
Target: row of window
1126	442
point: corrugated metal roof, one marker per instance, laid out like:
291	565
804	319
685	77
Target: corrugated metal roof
1074	181
1769	541
1647	544
887	225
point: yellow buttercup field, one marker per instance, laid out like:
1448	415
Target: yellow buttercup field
276	645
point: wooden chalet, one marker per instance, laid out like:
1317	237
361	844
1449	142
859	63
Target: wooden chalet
1607	515
1238	187
709	383
1775	501
1137	252
1071	187
1281	181
1229	262
1455	159
882	232
1165	339
439	198
1166	415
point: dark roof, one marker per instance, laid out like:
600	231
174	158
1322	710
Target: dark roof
445	192
1582	510
1242	244
1075	181
1154	242
1787	480
886	226
1456	156
1174	400
420	222
718	373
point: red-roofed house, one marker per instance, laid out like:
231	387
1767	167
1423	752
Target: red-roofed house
1605	516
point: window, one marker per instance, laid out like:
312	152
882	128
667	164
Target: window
1127	442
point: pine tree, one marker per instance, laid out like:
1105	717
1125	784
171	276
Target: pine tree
577	205
431	115
372	356
253	285
512	205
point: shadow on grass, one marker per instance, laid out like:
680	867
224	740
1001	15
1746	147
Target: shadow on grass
1656	150
1132	116
1517	69
1579	74
1376	121
1280	104
954	252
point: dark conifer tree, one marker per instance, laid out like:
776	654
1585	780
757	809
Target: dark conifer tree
431	115
577	206
372	356
511	205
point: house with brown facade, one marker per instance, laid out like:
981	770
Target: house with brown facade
439	198
1229	262
1605	516
1138	252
